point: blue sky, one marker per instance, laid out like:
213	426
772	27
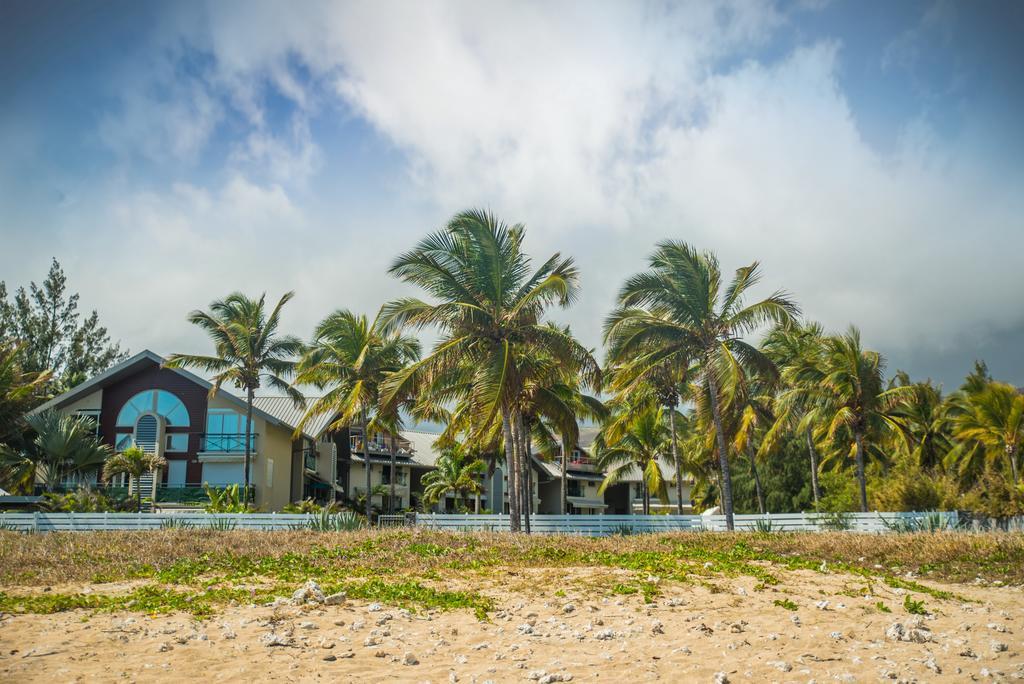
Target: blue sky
869	154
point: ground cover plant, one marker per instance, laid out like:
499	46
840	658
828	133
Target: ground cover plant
196	571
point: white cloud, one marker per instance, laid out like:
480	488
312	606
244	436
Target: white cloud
603	126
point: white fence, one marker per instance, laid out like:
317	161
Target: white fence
601	525
91	522
592	525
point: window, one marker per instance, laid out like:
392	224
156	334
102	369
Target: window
573	488
160	402
122	442
225	431
176	442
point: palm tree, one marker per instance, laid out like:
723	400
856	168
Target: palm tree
794	347
456	472
133	462
349	359
677	312
990	429
63	446
923	423
848	398
488	305
634	440
247	351
20	390
668	382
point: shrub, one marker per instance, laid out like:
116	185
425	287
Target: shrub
227	500
910	488
994	496
85	500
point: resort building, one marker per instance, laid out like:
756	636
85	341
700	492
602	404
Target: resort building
170	412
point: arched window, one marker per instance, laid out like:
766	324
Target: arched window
160	402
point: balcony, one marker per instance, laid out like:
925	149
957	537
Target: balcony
226	443
377	446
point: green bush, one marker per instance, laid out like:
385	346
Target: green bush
85	500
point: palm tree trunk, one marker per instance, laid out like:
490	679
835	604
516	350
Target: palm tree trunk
565	479
861	479
678	461
723	454
250	393
524	477
645	497
1011	451
512	468
815	487
391	503
366	465
757	481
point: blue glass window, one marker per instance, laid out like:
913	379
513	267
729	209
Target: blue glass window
161	402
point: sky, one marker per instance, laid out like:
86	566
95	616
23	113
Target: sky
869	154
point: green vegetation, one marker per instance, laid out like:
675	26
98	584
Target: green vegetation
913	607
785	603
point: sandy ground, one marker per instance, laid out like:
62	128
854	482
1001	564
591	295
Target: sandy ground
692	632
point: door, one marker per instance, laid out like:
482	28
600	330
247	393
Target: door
176	473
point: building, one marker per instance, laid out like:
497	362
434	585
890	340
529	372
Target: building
171	412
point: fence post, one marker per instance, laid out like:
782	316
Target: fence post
71	520
35	521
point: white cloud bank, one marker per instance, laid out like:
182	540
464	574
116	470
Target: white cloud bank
604	127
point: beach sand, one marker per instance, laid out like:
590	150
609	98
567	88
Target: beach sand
731	630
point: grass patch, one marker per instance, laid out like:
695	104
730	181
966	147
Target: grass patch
913	607
785	603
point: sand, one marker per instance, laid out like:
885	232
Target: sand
726	631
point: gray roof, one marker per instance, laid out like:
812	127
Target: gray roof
284	409
423	450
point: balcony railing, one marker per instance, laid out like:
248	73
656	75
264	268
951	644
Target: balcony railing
376	446
226	443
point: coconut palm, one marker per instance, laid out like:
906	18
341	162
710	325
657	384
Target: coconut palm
990	429
634	441
62	446
457	472
488	307
668	383
847	397
133	462
20	390
247	351
349	359
678	312
923	423
794	348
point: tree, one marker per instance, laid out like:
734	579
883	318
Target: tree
633	376
634	443
990	429
349	359
794	347
456	472
20	391
847	397
922	421
52	334
247	350
677	312
62	446
133	462
488	305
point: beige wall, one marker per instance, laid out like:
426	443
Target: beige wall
92	401
273	468
357	480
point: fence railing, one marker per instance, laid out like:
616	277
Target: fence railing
590	525
600	525
96	522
